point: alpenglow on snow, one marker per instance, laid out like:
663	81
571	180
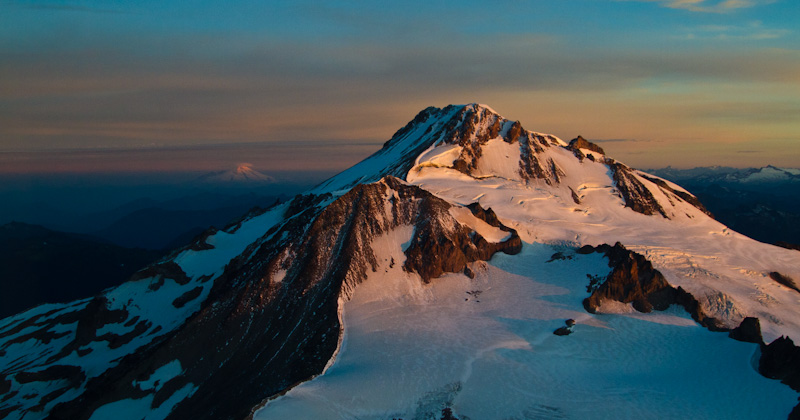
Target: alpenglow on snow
428	279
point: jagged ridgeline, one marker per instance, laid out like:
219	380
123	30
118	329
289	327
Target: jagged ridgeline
458	197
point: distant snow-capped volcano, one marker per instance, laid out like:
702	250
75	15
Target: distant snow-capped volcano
242	174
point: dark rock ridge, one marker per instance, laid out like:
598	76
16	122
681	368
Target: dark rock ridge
673	194
259	333
635	194
441	245
787	245
781	360
581	143
634	280
784	280
748	331
640	199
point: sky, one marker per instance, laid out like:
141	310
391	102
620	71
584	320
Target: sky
147	86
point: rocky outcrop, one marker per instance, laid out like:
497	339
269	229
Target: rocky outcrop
748	331
784	280
636	196
565	329
581	143
634	280
678	194
164	269
781	360
788	245
441	245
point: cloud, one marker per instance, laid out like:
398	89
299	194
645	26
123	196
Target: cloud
106	82
621	140
709	6
106	95
754	31
64	7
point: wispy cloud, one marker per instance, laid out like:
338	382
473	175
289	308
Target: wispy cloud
64	7
753	31
620	140
709	6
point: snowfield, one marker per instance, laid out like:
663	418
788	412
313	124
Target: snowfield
486	348
713	259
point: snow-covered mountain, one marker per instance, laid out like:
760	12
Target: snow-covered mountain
431	277
242	175
746	176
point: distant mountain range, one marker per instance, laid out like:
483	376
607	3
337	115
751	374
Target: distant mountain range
39	265
720	174
145	222
763	203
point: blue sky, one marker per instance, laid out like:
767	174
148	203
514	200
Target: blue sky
676	82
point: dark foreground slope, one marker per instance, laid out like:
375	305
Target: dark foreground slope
38	265
268	322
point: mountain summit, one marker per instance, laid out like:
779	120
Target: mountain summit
243	174
469	268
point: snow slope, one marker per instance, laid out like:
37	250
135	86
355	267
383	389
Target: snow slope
126	318
716	260
485	347
410	350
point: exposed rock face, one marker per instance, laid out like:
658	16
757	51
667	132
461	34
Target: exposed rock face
440	245
565	329
477	125
748	331
634	280
269	333
781	360
672	193
788	245
635	194
784	280
581	143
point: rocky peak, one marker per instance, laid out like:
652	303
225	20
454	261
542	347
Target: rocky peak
581	143
474	125
470	127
